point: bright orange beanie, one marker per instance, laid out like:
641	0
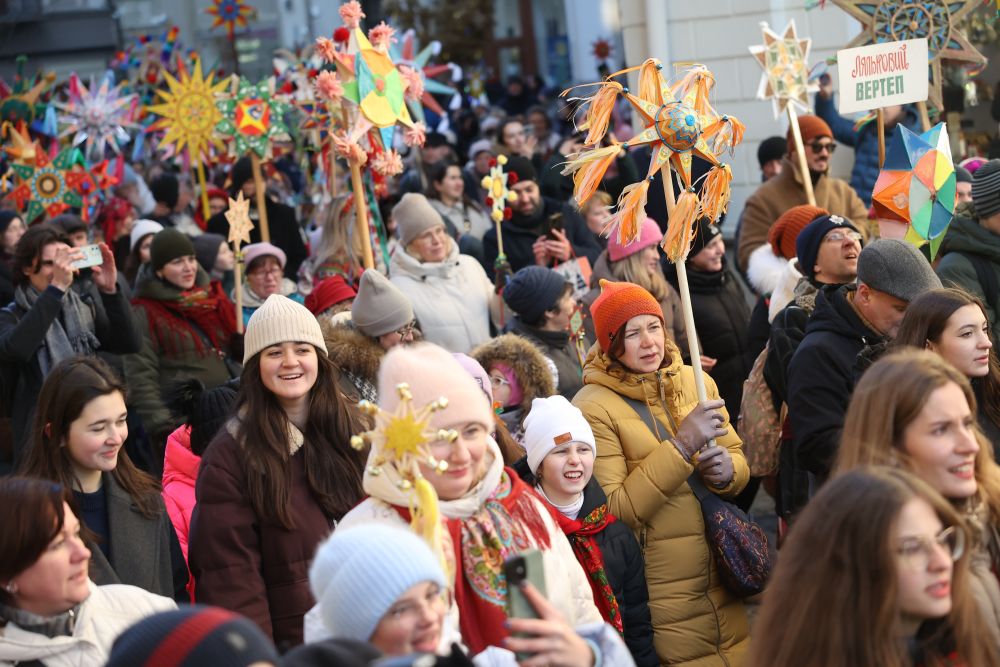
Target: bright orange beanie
616	305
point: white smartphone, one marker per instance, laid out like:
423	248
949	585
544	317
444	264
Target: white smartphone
91	257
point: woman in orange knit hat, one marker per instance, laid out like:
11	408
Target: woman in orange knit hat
652	434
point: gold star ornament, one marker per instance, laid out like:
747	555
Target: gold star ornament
240	224
785	59
937	20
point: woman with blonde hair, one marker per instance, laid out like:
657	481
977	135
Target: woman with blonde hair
639	264
915	411
874	572
338	251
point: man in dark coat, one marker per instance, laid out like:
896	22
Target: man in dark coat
822	374
531	236
48	321
284	228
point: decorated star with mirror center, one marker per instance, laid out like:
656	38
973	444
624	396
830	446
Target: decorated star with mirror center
253	116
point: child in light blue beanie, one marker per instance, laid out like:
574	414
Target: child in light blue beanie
381	585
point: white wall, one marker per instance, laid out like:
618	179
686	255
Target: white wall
718	33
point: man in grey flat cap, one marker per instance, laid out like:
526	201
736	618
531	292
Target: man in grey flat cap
847	319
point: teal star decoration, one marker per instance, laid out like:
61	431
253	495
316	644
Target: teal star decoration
253	116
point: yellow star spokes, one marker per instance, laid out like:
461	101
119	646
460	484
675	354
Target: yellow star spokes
189	113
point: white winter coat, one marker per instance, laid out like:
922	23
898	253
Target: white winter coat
566	584
109	611
451	299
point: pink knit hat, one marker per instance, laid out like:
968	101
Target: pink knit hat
516	393
651	235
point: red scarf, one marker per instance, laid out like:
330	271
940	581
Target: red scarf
508	523
170	321
581	534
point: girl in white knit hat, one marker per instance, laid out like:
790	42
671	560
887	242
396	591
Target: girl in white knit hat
277	477
560	457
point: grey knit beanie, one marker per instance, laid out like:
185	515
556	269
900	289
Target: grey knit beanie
380	307
281	320
414	215
986	189
896	268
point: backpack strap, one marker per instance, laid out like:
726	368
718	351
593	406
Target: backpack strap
694	480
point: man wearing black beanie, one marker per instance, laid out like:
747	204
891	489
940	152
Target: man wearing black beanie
282	224
540	231
769	155
970	254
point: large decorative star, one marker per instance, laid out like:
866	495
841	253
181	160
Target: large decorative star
238	216
253	116
231	13
96	117
46	187
785	59
411	58
188	113
937	20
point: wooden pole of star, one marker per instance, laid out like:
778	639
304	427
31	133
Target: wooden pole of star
800	152
361	215
925	119
203	186
240	225
694	347
238	286
258	182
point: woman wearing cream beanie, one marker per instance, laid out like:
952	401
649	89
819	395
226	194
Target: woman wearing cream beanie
276	477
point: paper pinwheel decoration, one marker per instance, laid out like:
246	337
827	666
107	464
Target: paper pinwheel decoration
370	81
679	123
188	113
400	442
253	116
48	187
937	20
96	116
413	62
785	61
238	216
230	13
917	184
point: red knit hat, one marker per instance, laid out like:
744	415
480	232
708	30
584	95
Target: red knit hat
616	305
810	127
786	228
329	293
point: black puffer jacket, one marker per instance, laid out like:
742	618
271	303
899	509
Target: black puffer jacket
624	566
722	317
821	379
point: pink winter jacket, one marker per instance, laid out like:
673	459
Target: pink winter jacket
180	470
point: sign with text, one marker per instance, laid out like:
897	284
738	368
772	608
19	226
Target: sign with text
881	75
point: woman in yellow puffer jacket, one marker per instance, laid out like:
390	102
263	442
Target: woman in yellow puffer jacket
696	621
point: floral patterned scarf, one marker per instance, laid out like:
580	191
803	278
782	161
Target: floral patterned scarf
581	534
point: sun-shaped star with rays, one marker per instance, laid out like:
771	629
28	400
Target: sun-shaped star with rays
401	440
188	113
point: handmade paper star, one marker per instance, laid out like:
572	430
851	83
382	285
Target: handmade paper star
785	60
411	58
230	13
97	116
401	440
238	216
937	20
20	102
253	117
48	187
188	113
21	148
602	49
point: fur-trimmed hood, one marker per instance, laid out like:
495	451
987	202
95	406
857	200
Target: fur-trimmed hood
764	269
351	351
528	363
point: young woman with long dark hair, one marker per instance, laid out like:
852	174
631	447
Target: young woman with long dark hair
80	427
277	477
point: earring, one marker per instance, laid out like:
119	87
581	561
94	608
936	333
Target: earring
11	587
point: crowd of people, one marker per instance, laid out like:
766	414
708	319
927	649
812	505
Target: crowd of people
182	482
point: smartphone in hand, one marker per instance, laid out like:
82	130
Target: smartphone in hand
526	566
91	257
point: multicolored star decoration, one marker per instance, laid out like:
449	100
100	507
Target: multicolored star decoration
400	442
937	20
20	101
49	187
679	123
409	58
232	14
253	116
785	59
188	113
96	117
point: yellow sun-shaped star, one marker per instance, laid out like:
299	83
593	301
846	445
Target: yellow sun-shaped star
189	113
